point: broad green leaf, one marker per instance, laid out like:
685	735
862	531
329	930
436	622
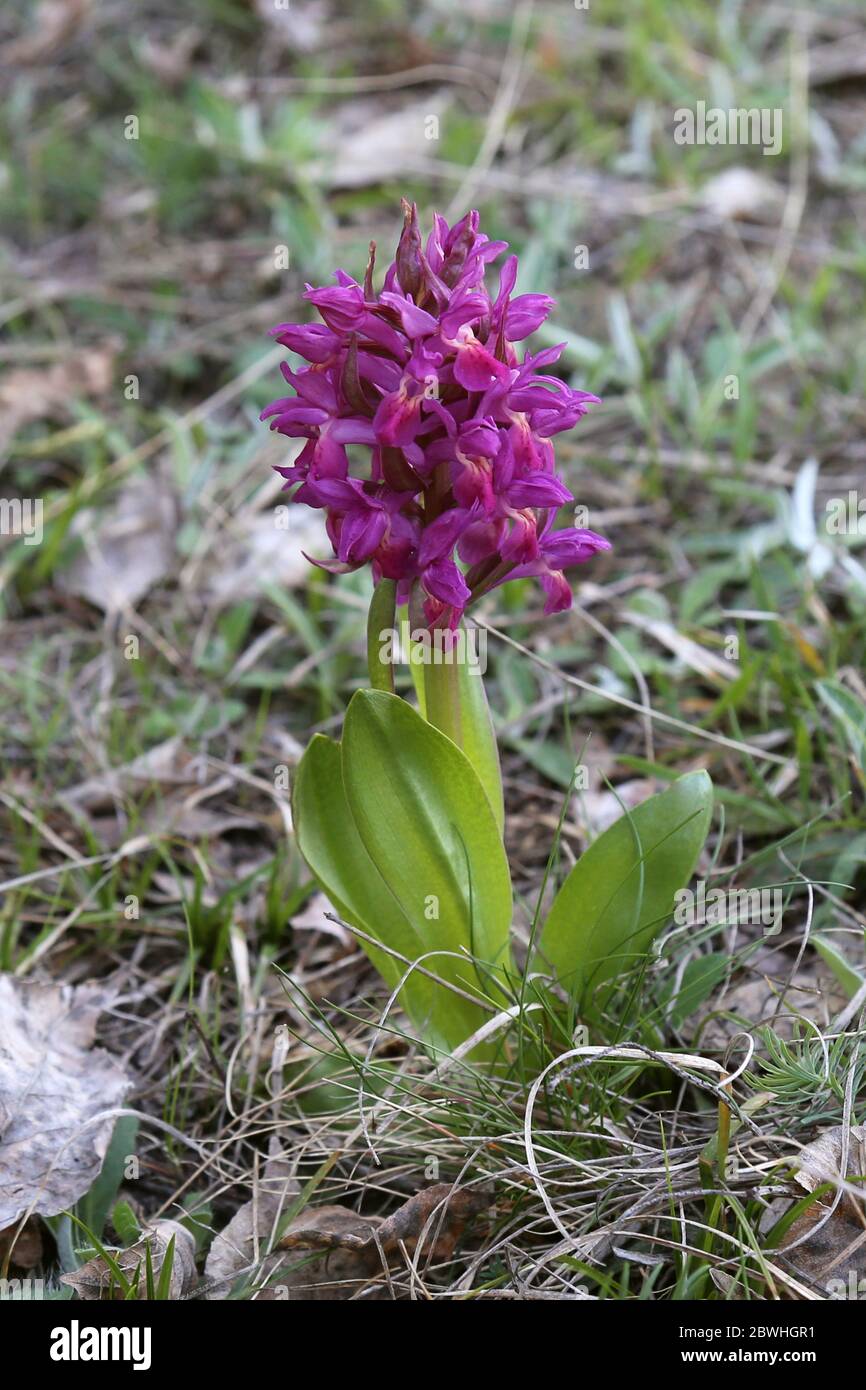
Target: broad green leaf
849	978
330	843
427	824
621	891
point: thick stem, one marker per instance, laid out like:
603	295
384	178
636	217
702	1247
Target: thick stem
380	620
442	698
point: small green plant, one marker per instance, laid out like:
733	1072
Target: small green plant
401	820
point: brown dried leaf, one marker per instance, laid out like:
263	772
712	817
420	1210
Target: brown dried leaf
29	394
171	61
96	1281
238	1249
833	1256
821	1161
56	21
24	1247
429	1224
337	1254
53	1085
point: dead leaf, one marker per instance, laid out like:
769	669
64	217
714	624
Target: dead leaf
368	147
53	1085
168	763
239	1249
335	1257
833	1256
56	21
312	918
701	660
429	1224
741	194
814	992
95	1280
594	811
28	394
821	1161
257	552
128	547
171	61
24	1247
337	1254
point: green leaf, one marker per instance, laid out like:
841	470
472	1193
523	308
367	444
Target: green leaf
849	978
700	978
621	891
850	713
93	1208
426	823
125	1223
330	843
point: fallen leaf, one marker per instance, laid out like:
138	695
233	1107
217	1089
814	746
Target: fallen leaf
23	1248
256	552
429	1225
332	1253
28	394
594	811
240	1248
54	1084
128	547
813	993
170	61
96	1280
167	763
833	1255
821	1161
368	147
705	662
312	918
55	22
741	194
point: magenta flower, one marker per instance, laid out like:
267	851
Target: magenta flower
425	375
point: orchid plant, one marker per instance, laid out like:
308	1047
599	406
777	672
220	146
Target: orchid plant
428	445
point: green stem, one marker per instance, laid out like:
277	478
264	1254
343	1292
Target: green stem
442	699
380	619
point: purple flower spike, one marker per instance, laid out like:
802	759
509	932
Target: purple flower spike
462	490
